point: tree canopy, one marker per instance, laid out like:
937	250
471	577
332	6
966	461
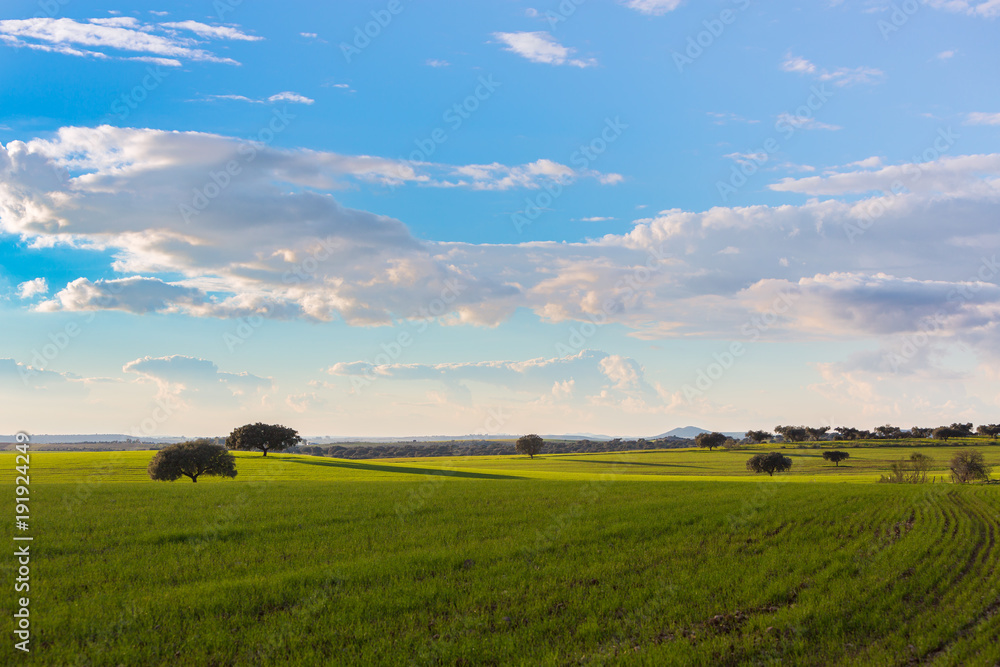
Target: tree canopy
265	437
191	459
530	444
991	430
836	456
769	463
945	432
710	440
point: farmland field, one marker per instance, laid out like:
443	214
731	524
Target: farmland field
649	557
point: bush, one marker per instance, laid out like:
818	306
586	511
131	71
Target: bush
968	465
913	471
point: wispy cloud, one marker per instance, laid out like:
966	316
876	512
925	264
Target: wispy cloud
722	118
285	96
842	76
980	8
804	123
981	118
541	47
112	38
653	7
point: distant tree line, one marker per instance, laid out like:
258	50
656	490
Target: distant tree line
885	432
483	448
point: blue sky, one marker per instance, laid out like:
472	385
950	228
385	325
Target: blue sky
594	216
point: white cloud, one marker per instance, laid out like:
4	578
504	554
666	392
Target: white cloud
212	31
945	55
112	38
33	288
541	47
978	8
798	64
653	7
293	98
588	371
721	118
275	242
177	374
960	175
288	96
981	118
804	123
842	76
433	62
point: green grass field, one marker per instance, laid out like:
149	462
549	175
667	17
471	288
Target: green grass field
650	557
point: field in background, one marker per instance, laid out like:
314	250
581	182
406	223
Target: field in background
647	557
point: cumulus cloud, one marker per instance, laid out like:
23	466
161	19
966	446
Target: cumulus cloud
960	175
180	373
134	295
541	47
32	288
14	374
120	38
275	242
591	372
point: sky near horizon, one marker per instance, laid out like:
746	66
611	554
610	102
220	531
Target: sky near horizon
396	218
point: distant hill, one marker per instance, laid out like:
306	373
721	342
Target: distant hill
72	439
692	431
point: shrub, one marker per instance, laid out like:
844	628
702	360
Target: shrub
968	465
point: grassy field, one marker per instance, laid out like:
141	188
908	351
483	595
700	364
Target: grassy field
649	557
